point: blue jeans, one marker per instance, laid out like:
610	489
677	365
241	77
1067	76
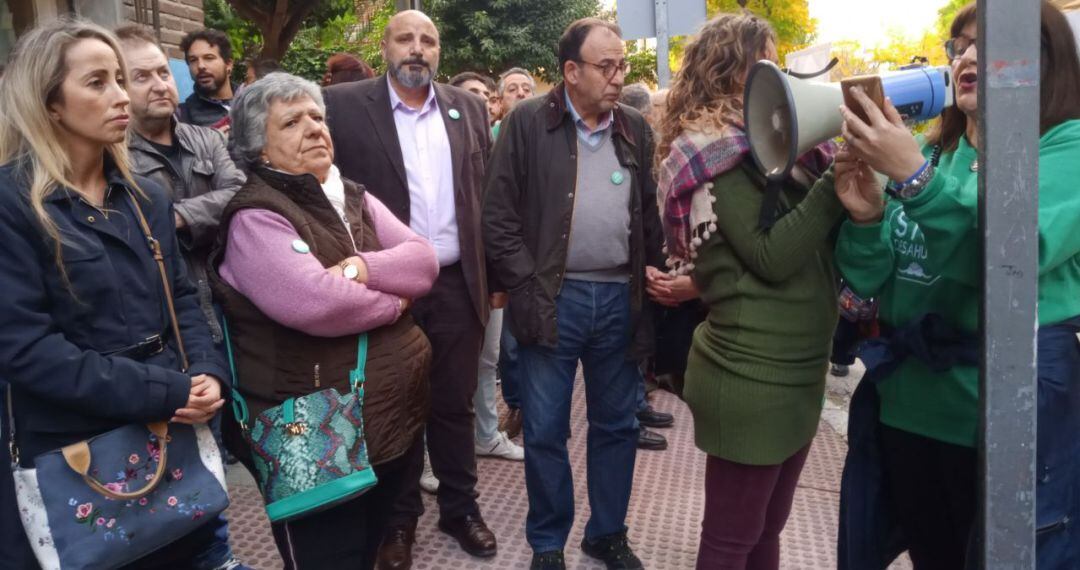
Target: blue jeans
510	368
1057	488
593	327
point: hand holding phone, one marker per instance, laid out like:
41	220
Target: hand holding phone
871	85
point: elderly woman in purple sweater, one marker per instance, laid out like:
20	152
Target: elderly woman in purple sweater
305	262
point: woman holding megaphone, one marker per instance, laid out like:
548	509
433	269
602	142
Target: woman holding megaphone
755	376
918	253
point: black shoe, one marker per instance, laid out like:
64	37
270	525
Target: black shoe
552	560
651	440
614	551
654	419
839	370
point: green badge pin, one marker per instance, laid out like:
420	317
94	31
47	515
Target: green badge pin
300	246
454	114
617	178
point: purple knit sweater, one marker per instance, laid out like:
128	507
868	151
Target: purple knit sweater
295	290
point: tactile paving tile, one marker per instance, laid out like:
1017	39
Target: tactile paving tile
249	529
664	516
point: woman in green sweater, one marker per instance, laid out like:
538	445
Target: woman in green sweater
918	253
756	372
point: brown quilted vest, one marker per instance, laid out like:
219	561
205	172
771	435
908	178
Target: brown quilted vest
274	362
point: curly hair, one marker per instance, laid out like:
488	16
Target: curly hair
707	93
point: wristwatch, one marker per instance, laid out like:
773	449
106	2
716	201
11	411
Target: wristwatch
915	186
349	270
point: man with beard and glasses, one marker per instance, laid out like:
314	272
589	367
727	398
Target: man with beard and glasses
192	164
422	148
208	53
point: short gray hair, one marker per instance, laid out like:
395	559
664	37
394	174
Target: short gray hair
251	110
514	71
637	96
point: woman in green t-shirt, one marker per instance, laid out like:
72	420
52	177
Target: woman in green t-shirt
918	253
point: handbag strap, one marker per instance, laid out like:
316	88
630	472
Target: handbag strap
155	249
77	456
13	449
357	376
239	405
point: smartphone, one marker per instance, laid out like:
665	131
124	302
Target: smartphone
225	121
871	85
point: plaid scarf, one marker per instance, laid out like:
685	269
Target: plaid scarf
684	188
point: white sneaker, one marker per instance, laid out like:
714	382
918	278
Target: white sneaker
501	447
428	482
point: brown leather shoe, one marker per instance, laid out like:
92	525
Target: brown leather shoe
395	552
472	534
512	423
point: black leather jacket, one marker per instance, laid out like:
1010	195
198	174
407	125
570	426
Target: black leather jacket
528	204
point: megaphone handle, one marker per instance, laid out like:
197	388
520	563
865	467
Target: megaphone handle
823	71
767	217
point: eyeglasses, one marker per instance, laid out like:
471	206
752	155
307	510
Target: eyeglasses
608	68
956	47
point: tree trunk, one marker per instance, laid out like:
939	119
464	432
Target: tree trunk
277	26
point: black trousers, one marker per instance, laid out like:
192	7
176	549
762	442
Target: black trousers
347	535
449	320
845	342
933	489
675	328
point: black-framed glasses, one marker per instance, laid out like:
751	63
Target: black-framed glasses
608	68
956	47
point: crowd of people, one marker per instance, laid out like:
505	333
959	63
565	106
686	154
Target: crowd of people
478	238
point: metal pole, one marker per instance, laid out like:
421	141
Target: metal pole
663	67
1008	46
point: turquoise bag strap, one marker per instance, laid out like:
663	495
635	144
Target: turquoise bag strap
239	405
358	376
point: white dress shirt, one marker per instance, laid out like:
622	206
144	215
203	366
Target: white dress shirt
429	170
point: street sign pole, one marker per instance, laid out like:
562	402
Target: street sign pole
1008	47
660	19
663	63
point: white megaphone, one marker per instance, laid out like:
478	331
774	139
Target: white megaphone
786	116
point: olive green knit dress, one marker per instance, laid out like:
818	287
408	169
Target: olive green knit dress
755	379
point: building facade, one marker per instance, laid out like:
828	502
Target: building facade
171	19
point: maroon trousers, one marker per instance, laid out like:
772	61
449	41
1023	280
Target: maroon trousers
746	507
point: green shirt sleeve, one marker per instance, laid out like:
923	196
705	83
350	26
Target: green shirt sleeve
948	215
776	254
865	256
947	211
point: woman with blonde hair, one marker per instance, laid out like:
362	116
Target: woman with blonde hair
756	371
83	341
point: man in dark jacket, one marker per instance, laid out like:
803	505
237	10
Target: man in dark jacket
192	164
208	53
421	148
570	222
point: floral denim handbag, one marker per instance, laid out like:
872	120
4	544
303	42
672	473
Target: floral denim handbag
161	482
309	452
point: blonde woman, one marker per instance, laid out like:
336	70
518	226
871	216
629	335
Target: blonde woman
756	371
82	319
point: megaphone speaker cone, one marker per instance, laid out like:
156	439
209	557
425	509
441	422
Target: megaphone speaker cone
785	116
